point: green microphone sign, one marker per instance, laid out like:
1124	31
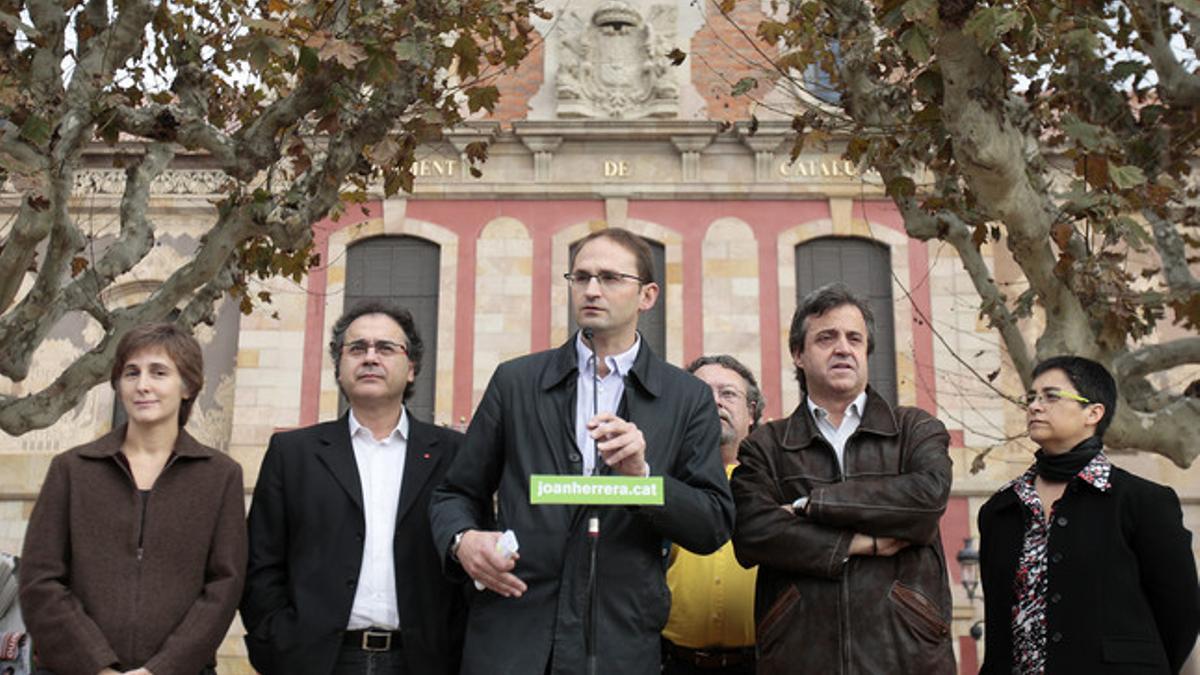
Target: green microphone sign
595	490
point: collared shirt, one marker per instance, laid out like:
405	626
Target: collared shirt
607	397
712	599
838	436
380	471
1031	583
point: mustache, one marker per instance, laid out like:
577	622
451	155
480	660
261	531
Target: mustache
368	370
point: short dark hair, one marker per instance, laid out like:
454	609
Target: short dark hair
827	297
183	349
754	396
631	242
1090	379
416	348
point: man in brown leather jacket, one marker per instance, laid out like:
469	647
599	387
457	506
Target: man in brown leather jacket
839	505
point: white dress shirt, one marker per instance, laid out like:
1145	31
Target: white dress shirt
380	471
608	396
838	436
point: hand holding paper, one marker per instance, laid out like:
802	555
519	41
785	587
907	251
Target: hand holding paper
489	558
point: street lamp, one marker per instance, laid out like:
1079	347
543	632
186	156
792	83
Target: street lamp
968	564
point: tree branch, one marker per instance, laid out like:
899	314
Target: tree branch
20	248
1157	357
1170	431
995	160
1178	86
1172	253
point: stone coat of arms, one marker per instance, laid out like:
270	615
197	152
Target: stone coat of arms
614	63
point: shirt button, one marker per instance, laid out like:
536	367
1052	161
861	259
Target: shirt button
1057	637
1056	598
574	457
1056	558
717	581
1062	521
351	582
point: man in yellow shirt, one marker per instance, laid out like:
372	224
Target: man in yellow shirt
711	627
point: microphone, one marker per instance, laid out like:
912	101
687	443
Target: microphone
588	339
592	619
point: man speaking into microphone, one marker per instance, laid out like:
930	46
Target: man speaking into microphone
600	404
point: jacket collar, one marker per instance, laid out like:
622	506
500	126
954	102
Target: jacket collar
109	445
646	371
878	419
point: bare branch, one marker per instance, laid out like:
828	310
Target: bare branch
1172	253
1170	431
50	20
168	123
1177	85
20	247
1158	357
40	410
17	156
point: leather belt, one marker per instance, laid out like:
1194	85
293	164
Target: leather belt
712	657
372	640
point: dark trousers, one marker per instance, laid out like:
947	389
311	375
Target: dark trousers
355	661
674	665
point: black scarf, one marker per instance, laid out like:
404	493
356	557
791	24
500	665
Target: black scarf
1063	467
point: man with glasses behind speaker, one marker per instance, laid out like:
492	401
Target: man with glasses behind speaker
1086	567
343	577
548	413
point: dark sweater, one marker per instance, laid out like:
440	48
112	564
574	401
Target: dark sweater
93	598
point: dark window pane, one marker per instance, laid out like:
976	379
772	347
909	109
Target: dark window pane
652	324
404	271
865	266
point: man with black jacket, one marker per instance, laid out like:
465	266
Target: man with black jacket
343	577
537	417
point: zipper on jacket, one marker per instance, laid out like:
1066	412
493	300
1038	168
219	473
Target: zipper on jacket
144	503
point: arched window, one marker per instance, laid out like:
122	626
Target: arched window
404	271
866	267
652	324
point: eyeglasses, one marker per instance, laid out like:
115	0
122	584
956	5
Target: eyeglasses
1052	396
383	348
608	280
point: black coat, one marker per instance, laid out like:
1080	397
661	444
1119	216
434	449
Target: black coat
306	546
1122	595
525	425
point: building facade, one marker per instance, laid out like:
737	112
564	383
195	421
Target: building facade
595	129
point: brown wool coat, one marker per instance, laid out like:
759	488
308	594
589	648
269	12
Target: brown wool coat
91	601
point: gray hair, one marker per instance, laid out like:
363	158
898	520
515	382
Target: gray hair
754	396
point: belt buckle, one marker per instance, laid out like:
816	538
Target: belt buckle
368	637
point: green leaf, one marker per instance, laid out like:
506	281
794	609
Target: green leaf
918	10
35	130
1127	176
1090	136
901	187
744	85
308	59
482	98
915	44
989	25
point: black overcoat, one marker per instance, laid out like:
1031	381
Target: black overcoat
525	425
1122	595
306	547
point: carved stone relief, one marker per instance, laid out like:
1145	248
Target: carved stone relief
612	63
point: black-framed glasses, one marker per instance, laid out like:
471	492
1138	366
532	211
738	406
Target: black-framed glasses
608	280
1052	396
384	348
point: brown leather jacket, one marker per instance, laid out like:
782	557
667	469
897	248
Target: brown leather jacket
817	609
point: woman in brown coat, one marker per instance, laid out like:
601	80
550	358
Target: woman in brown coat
136	549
